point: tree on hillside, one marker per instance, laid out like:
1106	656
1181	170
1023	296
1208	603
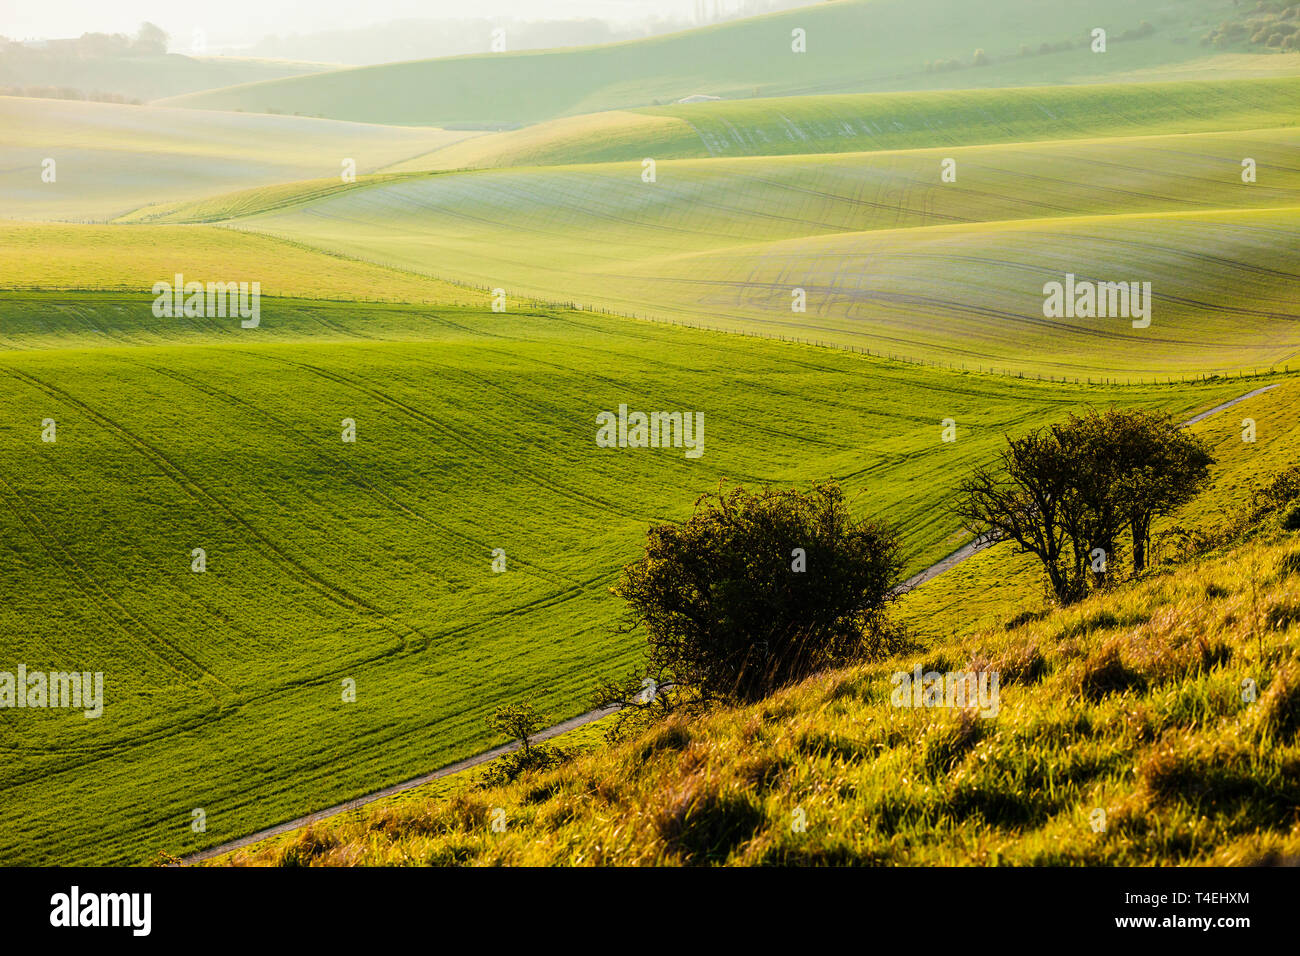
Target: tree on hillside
517	721
520	721
150	40
1028	498
757	590
1071	492
1156	467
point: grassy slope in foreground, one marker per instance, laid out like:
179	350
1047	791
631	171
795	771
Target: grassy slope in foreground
865	46
877	121
111	158
1130	702
891	258
372	560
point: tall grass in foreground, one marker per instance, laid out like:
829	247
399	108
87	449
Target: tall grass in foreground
1172	706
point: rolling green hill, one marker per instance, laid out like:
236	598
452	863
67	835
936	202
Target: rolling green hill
470	305
372	561
876	121
110	158
140	77
39	256
851	46
891	258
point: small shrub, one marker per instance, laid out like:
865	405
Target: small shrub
759	590
510	767
1291	520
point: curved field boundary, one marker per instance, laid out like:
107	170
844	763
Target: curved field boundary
958	556
870	122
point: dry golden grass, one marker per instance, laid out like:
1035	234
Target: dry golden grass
1172	706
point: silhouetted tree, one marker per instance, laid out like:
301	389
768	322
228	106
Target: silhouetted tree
150	40
1028	498
1064	491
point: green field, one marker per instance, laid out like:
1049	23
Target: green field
475	299
880	121
473	434
111	158
37	256
853	46
891	258
142	77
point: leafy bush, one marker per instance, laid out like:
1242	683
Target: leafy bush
758	590
1281	490
510	767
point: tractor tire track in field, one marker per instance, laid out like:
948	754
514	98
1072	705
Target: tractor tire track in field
133	627
766	430
335	593
357	479
957	557
459	437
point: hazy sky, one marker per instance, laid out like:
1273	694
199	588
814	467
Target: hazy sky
241	22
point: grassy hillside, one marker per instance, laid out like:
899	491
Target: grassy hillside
38	256
1130	703
141	77
851	46
794	196
892	259
996	585
1223	287
245	202
111	158
875	121
372	560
